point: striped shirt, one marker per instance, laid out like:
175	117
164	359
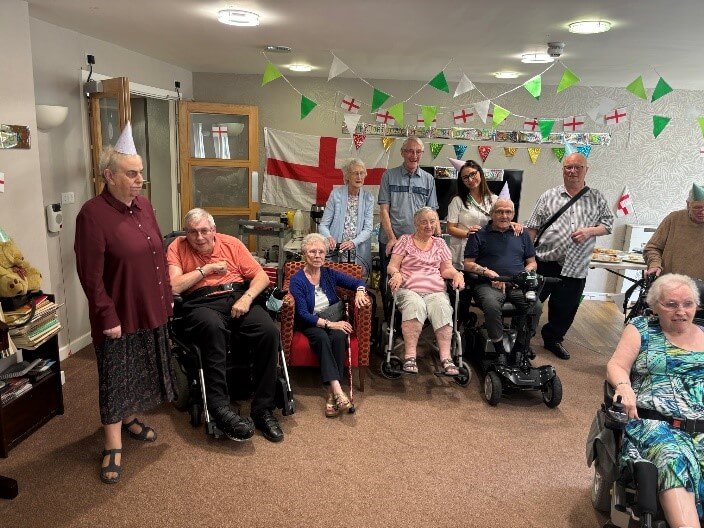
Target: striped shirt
556	243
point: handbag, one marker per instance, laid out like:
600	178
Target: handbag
334	312
557	215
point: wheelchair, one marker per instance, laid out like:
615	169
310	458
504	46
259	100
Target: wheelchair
392	365
517	373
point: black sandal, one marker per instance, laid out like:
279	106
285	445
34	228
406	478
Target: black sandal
112	466
142	434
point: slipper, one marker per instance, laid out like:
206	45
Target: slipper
143	433
410	366
112	467
449	368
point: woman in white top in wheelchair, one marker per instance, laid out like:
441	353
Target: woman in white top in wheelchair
418	265
658	366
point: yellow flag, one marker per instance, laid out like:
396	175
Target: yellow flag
533	153
387	142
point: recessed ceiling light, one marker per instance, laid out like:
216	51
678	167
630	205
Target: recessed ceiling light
589	27
506	74
300	67
275	48
536	58
238	17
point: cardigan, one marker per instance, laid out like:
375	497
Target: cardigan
303	291
676	246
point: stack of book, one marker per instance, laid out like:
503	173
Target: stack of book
43	325
14	388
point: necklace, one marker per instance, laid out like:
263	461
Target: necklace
474	202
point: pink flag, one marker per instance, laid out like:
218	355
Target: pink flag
573	123
624	206
350	104
530	124
462	116
383	116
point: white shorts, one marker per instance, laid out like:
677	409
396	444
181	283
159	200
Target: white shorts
421	306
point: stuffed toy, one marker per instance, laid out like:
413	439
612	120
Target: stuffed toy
17	276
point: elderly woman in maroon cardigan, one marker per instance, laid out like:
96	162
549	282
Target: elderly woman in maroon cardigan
123	271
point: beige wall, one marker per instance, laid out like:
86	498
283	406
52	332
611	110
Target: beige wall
658	172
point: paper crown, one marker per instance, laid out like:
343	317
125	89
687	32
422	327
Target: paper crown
457	164
505	194
697	193
125	143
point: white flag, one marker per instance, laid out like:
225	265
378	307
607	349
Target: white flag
464	86
624	206
351	121
482	109
337	67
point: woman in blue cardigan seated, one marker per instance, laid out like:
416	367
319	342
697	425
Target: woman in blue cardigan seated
313	289
349	215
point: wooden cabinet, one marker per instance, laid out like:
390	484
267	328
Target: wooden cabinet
22	416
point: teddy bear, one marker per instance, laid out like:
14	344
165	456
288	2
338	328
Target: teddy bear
17	276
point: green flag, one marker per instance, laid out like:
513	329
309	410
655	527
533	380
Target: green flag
500	114
701	123
534	86
559	152
661	88
568	79
429	113
306	106
396	112
270	73
659	124
440	83
435	149
546	126
378	99
637	88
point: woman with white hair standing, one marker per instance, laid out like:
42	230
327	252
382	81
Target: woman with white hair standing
349	215
658	371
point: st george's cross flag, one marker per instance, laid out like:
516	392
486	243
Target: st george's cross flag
301	170
624	206
350	104
530	124
461	116
573	123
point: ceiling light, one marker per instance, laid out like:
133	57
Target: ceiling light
536	58
506	74
238	17
588	27
300	67
276	48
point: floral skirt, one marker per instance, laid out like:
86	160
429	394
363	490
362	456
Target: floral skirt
134	374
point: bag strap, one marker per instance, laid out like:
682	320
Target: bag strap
557	215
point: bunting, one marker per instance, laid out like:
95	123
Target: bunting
510	152
350	104
636	88
435	149
464	86
439	82
378	98
358	139
271	73
396	112
533	153
336	68
534	86
661	89
659	124
484	151
559	153
568	79
306	106
459	150
387	142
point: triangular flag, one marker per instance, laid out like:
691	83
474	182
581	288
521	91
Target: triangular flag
435	149
568	79
605	105
306	106
533	153
534	86
459	150
569	149
429	113
271	72
701	124
661	88
482	109
546	127
387	142
457	164
559	153
659	124
500	114
584	150
396	112
464	86
351	121
637	88
337	67
505	194
378	99
697	193
624	205
484	151
510	152
439	82
125	143
358	140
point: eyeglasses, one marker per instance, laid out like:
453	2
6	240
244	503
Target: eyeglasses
204	231
573	168
507	212
672	305
470	175
411	151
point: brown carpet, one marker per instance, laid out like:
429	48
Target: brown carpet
420	451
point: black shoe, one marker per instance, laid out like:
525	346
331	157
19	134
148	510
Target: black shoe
232	424
267	423
557	349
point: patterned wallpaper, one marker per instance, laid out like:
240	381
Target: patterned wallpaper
658	172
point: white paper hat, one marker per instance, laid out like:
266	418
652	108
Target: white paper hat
457	164
505	194
125	143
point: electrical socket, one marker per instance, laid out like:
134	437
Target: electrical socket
68	198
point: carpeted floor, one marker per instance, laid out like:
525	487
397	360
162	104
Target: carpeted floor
420	451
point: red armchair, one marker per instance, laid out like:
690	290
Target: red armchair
296	348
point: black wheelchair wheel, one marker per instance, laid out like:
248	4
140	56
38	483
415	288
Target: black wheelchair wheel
465	375
601	490
194	413
552	392
181	387
492	388
392	369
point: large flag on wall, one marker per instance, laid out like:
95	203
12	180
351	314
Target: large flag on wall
301	170
624	205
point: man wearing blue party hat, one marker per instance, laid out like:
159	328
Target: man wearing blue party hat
676	246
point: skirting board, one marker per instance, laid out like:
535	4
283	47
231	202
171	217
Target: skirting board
601	296
74	346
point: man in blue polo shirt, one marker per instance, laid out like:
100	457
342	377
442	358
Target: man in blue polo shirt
402	192
495	250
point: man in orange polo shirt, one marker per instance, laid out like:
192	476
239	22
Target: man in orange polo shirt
209	270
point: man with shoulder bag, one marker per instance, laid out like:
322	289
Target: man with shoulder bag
564	225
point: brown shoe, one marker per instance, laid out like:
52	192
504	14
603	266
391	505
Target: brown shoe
344	404
331	408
